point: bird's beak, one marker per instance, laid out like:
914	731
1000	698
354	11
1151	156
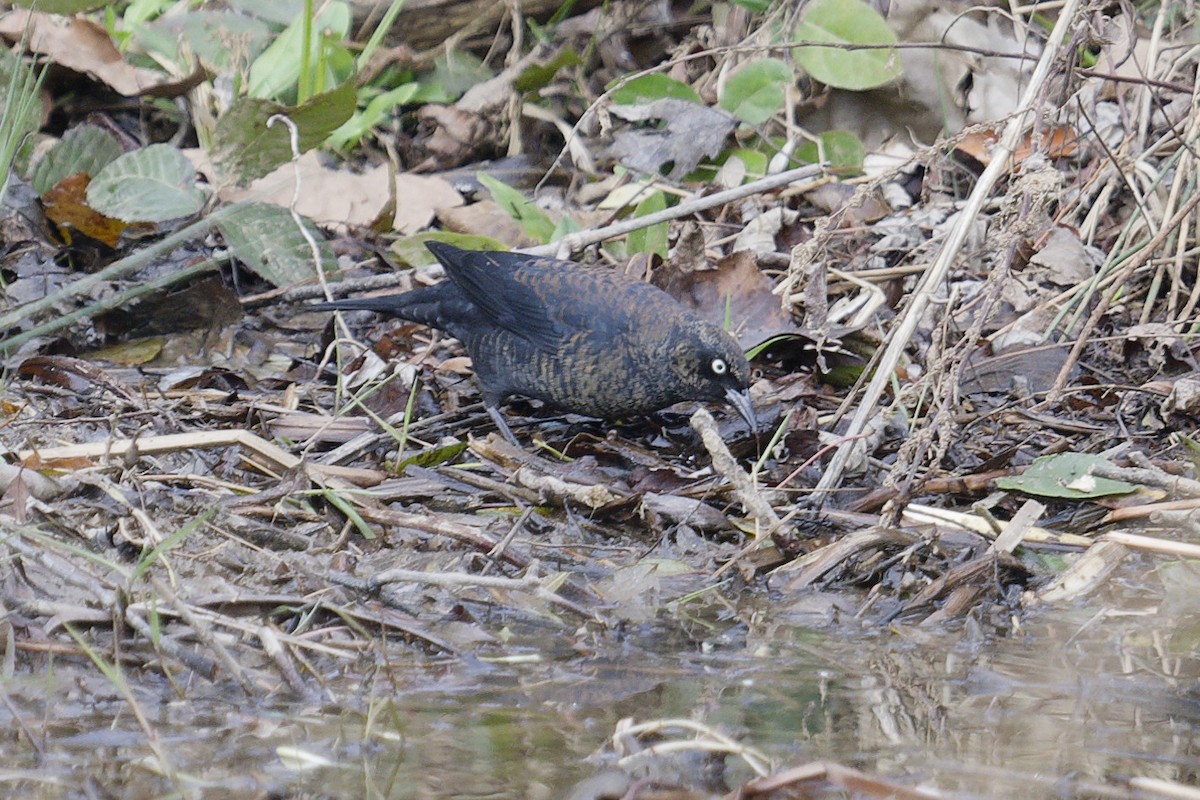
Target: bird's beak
740	400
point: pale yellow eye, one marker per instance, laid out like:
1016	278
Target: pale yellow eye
719	367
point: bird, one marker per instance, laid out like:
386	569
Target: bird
584	339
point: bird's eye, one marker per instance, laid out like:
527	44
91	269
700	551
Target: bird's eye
719	367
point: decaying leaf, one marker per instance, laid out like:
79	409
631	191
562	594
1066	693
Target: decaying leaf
1065	475
246	147
80	45
689	132
735	292
66	204
267	240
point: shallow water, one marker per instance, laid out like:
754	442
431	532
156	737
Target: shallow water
1071	702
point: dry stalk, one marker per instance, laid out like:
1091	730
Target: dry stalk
723	462
901	334
529	584
573	243
1023	212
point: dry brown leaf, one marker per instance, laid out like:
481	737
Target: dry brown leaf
325	196
1064	260
1060	142
341	197
82	46
72	374
735	286
689	132
485	218
419	198
66	205
456	134
458	365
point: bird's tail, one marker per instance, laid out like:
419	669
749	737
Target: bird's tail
419	305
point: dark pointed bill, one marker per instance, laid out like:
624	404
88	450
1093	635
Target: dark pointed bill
740	400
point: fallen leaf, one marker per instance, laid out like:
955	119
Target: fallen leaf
339	197
1059	142
418	200
689	133
737	290
80	45
455	136
485	218
65	372
1065	260
66	205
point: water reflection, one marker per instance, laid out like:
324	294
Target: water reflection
1071	703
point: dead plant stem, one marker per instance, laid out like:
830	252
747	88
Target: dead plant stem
1136	261
575	242
130	263
900	335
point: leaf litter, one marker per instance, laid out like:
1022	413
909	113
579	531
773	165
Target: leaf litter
235	507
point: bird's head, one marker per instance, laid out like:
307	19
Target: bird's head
711	364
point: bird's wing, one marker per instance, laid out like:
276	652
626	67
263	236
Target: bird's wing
521	294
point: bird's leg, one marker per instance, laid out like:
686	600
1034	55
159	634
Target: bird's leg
498	418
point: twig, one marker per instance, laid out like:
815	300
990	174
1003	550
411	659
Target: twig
200	628
574	242
130	263
275	456
706	739
530	584
726	465
471	537
593	496
900	335
1171	228
274	649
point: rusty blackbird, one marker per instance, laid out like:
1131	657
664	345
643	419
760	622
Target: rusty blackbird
585	339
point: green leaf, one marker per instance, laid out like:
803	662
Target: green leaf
336	500
245	148
363	122
755	92
756	162
276	13
755	6
648	88
276	73
87	148
207	35
457	71
1065	475
20	101
433	456
1192	449
138	12
762	347
565	226
535	77
651	240
843	22
265	239
154	184
412	251
150	557
533	220
843	150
